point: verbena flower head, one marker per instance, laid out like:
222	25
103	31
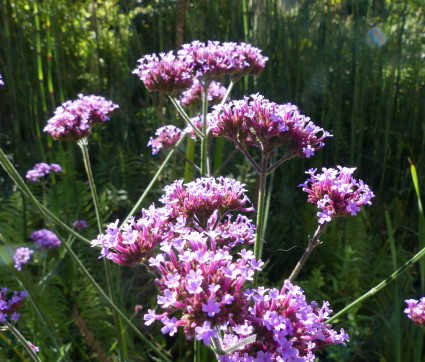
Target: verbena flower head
1	80
167	137
73	119
42	169
135	243
255	121
286	326
80	224
193	96
199	199
336	192
165	73
416	311
9	308
21	257
45	239
213	60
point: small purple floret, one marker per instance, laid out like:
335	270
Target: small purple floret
21	257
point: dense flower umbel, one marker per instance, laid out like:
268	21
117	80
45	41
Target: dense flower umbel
45	239
202	282
336	192
416	311
286	326
9	308
42	169
165	73
135	243
199	199
73	119
193	96
255	121
213	60
167	137
21	257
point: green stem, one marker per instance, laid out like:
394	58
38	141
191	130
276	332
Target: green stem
24	342
381	285
258	246
205	159
312	243
182	155
83	143
185	116
149	187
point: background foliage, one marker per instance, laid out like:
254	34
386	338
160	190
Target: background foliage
370	96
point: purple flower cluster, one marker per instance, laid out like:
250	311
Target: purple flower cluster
135	243
80	224
287	328
21	257
416	311
73	119
167	137
207	61
165	73
256	121
193	96
1	80
42	169
336	192
212	60
9	308
45	239
199	199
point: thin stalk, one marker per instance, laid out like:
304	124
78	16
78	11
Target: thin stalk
46	213
24	342
9	343
258	246
397	306
205	159
49	57
379	286
228	159
182	155
312	243
185	116
149	187
278	163
83	143
248	157
190	155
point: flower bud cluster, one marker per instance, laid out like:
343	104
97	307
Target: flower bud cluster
21	257
42	169
73	119
416	311
45	239
9	308
213	59
255	121
287	328
336	192
167	137
210	61
193	96
165	73
80	224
